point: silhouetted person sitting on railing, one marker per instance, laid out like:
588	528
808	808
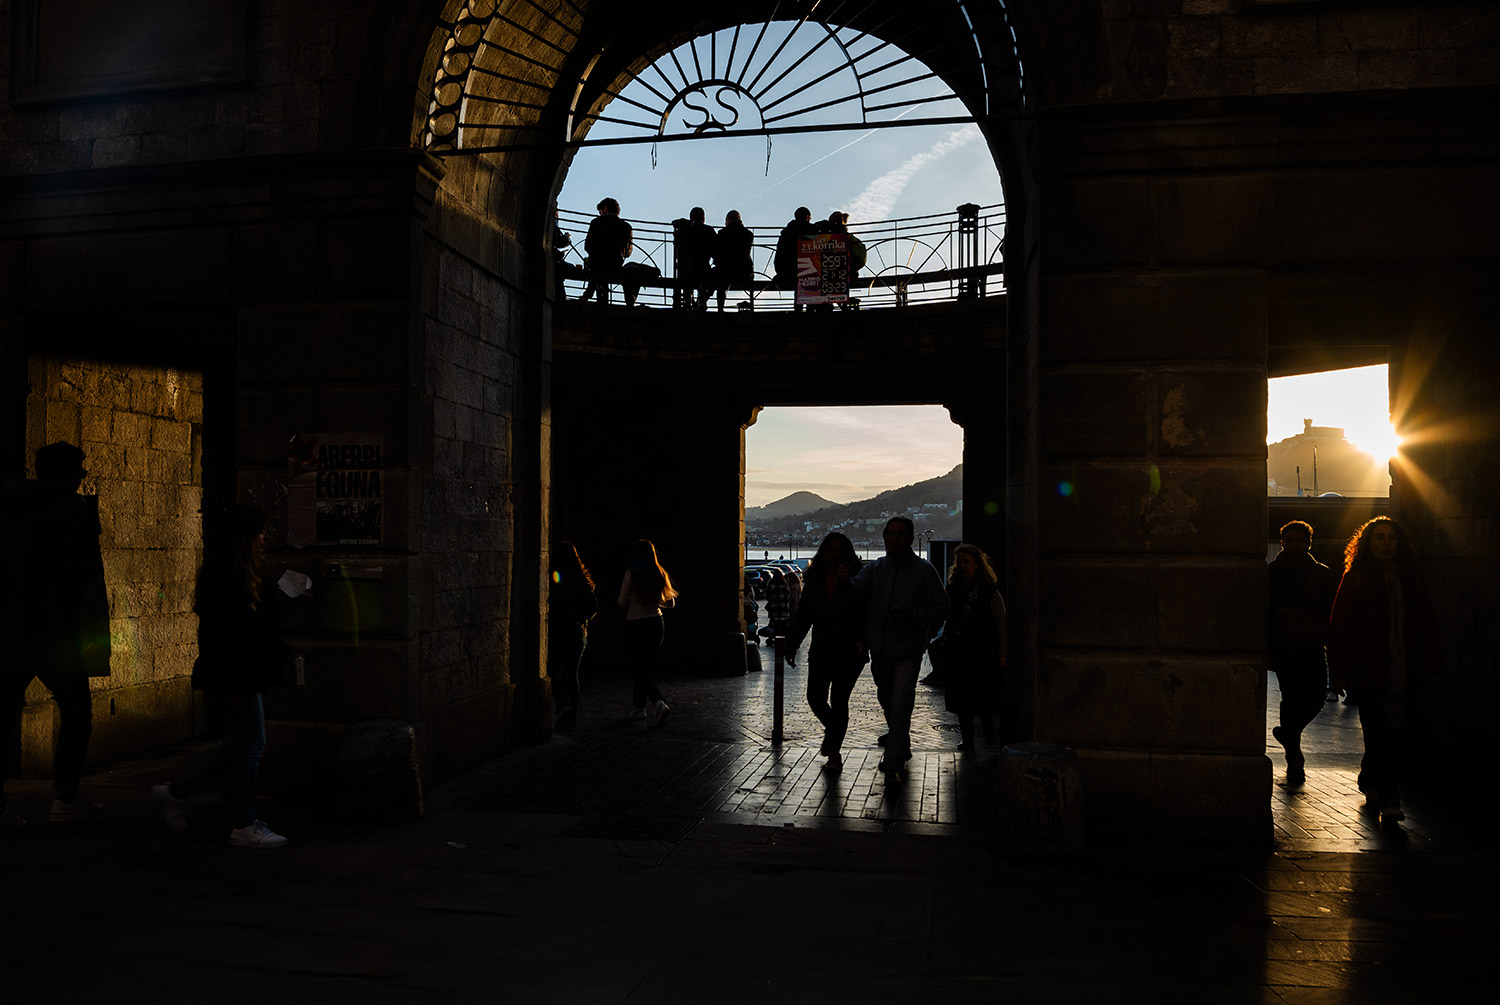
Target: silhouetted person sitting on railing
785	262
695	252
733	267
609	242
838	223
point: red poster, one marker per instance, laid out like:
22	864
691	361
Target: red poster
823	269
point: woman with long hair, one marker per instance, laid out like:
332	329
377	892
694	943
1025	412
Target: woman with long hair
571	603
829	609
645	592
1382	639
972	650
240	655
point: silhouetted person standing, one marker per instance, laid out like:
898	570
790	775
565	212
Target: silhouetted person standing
240	656
571	603
1382	640
906	602
56	615
695	253
1301	592
973	644
645	592
734	269
608	243
834	615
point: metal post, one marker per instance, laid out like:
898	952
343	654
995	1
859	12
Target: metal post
970	283
777	640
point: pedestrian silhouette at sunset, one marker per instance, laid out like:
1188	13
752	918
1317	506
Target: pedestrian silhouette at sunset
695	255
837	655
240	657
1383	646
734	269
56	615
571	603
907	603
1301	592
971	650
645	592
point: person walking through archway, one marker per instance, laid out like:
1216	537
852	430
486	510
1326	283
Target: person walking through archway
240	656
1301	591
1382	645
907	603
571	603
645	592
971	650
56	615
837	655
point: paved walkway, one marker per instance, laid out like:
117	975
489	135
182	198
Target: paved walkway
698	863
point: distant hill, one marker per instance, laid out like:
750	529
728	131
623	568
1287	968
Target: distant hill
792	505
933	505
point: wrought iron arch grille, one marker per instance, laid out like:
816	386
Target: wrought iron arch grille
811	66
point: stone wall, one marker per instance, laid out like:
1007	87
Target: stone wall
140	429
471	320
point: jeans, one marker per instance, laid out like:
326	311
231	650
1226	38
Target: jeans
1304	689
896	687
642	642
566	656
1380	768
240	753
835	677
75	706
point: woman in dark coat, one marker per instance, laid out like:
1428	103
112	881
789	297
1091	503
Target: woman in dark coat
1382	640
240	655
829	609
972	649
733	267
571	603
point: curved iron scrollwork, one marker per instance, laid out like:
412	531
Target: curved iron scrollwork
795	72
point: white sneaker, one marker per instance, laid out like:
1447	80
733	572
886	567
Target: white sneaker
660	710
81	808
257	835
638	713
173	810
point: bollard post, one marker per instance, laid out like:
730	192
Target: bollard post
777	640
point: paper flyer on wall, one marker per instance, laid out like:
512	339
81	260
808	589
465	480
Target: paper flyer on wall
335	489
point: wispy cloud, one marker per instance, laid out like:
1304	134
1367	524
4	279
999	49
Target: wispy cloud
880	196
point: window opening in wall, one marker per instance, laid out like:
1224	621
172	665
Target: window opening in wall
813	470
1329	434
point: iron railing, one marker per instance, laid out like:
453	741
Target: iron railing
914	260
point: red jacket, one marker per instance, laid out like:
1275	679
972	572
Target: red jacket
1359	630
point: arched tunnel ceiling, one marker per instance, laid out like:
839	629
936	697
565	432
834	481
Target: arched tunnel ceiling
524	74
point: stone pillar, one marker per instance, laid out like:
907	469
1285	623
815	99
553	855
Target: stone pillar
1150	517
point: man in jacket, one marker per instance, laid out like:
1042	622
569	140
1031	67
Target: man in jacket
56	614
907	603
1301	596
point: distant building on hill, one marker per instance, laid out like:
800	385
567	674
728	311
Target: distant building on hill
1328	463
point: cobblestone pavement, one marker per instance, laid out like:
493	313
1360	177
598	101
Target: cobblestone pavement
715	756
498	894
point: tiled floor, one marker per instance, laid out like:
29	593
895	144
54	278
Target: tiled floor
715	757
